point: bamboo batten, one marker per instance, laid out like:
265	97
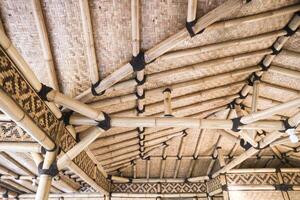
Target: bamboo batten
90	136
43	35
20	147
174	87
89	40
285	71
220	45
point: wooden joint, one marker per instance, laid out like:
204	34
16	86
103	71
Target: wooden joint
283	187
106	123
236	123
52	171
138	62
93	89
44	92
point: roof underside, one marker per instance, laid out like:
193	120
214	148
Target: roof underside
111	22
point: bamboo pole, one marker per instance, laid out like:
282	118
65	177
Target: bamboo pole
174	87
169	43
220	156
293	121
10	108
89	40
6	193
192	10
293	25
91	135
43	35
284	71
179	155
20	147
220	45
163	162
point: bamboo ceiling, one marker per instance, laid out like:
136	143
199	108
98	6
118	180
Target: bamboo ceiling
224	56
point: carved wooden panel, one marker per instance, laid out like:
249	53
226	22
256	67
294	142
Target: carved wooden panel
162	188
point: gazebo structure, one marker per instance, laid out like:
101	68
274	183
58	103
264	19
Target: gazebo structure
150	99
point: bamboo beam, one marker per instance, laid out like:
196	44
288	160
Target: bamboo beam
91	135
10	108
284	71
20	147
43	35
169	43
293	121
174	87
293	24
89	40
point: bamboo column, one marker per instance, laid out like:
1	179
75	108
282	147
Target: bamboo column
45	179
89	40
43	35
206	20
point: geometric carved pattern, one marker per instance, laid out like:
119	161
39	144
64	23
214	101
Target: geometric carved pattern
252	178
16	86
291	178
161	188
9	131
213	184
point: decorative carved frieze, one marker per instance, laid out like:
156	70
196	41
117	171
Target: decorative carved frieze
214	184
159	188
9	131
252	179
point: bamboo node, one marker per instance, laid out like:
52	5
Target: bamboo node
254	77
140	97
140	82
189	27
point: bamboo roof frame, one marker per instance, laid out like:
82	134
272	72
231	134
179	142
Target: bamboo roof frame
89	116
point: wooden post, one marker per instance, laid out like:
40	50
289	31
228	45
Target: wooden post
43	35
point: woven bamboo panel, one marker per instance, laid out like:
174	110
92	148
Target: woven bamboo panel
294	195
293	43
288	59
255	195
20	27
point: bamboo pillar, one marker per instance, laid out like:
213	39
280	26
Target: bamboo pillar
89	40
45	179
43	35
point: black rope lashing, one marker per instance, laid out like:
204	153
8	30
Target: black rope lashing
138	62
236	123
140	96
290	32
245	145
274	50
105	124
258	147
214	157
167	90
231	105
241	96
141	130
263	66
66	117
44	151
138	82
52	171
286	125
189	27
254	77
140	111
283	187
248	1
93	89
44	91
